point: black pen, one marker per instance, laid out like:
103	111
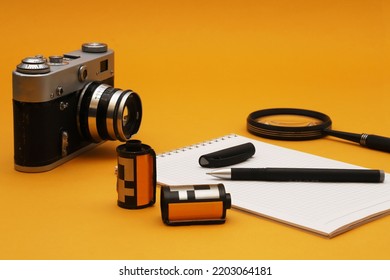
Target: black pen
301	174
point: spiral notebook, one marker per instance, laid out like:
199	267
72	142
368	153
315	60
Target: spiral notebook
327	209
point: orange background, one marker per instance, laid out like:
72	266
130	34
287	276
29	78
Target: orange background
200	67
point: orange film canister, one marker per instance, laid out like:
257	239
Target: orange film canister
136	175
194	204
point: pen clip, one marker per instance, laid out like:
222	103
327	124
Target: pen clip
229	156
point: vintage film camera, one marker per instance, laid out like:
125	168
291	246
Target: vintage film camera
65	105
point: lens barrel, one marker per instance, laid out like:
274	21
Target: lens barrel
107	113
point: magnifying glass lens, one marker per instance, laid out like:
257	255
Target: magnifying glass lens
288	124
289	120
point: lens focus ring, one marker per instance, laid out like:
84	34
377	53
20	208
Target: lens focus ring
111	114
107	113
93	112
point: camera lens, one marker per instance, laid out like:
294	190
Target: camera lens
107	113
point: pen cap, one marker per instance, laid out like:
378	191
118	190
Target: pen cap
194	204
229	156
136	175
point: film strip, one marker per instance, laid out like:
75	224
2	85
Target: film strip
136	175
194	204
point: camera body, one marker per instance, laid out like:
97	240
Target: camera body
65	105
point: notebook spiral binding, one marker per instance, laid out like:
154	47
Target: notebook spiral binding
196	146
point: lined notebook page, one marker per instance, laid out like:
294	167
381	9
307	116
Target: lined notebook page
325	208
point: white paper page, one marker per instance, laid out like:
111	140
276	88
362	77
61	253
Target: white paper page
324	207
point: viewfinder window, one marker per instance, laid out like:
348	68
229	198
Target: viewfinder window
104	65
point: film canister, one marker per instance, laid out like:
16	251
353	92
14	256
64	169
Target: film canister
136	175
194	204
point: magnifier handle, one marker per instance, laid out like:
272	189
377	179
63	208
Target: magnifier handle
371	141
375	142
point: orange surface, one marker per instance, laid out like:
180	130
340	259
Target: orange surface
200	68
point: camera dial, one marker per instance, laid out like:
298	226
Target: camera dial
94	47
33	65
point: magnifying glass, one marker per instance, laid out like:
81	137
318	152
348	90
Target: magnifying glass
300	124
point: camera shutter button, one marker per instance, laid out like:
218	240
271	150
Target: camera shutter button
56	59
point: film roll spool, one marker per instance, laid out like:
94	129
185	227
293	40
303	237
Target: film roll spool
136	175
194	204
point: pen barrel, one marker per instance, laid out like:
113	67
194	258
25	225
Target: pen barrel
307	175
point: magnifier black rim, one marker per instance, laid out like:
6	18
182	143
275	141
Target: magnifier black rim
288	133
